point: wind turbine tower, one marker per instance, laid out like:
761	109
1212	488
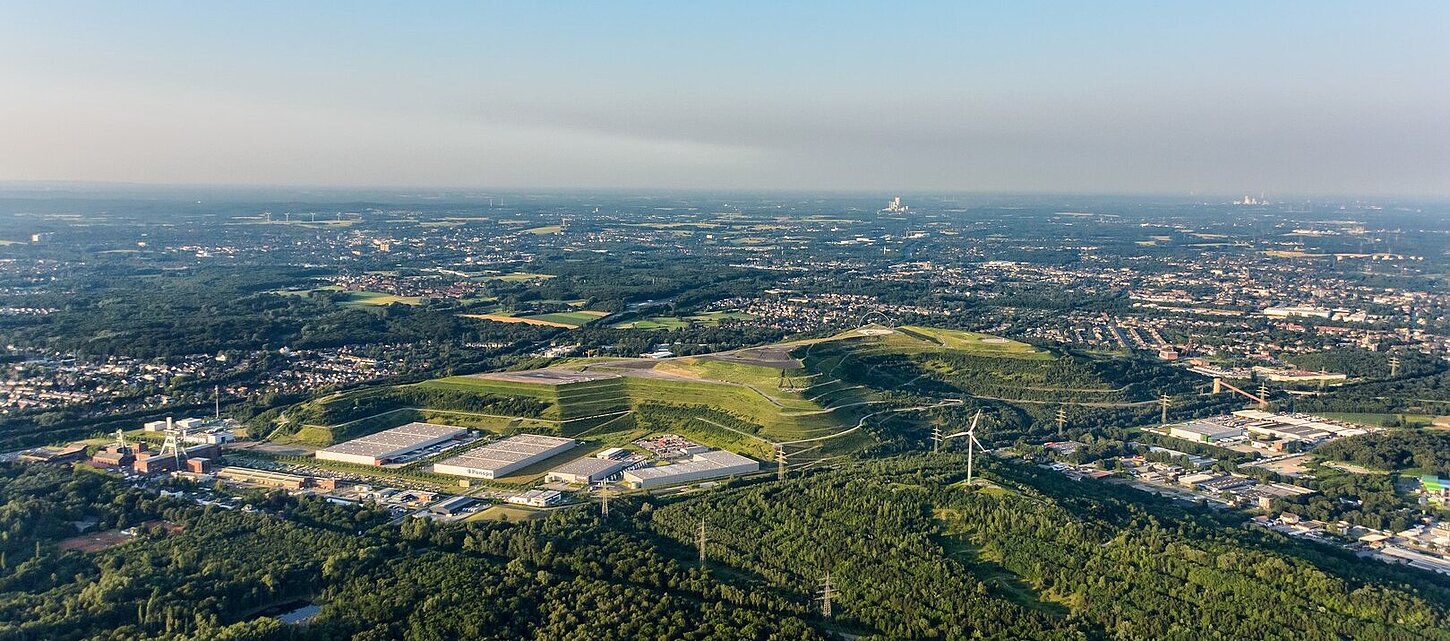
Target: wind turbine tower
972	445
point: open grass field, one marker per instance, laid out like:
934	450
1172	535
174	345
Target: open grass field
380	298
355	298
546	229
573	319
711	319
655	322
1377	420
973	343
510	513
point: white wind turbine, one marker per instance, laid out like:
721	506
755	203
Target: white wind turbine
972	443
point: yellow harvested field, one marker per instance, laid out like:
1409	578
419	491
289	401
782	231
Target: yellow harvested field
518	319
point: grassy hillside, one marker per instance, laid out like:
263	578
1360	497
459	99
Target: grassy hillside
949	362
747	399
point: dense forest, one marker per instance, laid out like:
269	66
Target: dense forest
1362	363
1393	450
1030	556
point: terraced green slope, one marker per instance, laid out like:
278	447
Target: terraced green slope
786	393
573	407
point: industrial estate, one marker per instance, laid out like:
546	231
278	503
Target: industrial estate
789	419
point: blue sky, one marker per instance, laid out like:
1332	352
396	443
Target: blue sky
1222	97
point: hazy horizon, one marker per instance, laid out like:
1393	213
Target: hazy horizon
1288	100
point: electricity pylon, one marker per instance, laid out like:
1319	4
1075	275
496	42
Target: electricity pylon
827	591
603	501
702	543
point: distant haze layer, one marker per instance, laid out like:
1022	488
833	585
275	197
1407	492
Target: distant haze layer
1227	97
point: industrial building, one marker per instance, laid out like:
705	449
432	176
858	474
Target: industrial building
538	498
503	457
585	470
148	462
612	453
1300	427
68	454
707	465
1204	432
1298	376
262	477
389	445
452	506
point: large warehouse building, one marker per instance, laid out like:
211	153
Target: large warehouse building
1300	426
503	457
1205	432
707	465
586	470
387	445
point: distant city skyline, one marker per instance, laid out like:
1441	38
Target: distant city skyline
1115	97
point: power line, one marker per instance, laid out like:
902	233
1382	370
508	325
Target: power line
702	543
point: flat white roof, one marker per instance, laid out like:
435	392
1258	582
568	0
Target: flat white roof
1209	429
588	466
507	451
396	441
712	460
